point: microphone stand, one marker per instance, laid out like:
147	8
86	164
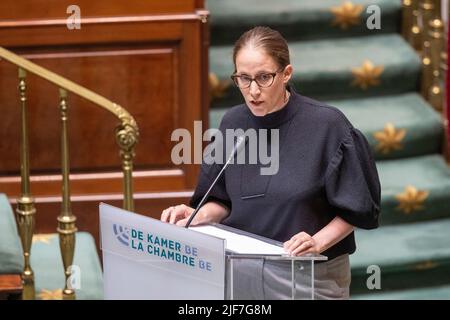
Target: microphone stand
235	149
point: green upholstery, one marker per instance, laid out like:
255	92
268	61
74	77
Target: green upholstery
322	68
46	259
49	272
432	293
11	258
296	19
409	255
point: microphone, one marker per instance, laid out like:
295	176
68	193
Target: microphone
240	141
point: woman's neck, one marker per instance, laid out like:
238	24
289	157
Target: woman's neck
287	94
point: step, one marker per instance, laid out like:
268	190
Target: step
49	272
11	258
295	19
408	255
428	293
428	174
409	112
323	68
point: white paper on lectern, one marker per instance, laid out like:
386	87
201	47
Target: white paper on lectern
240	243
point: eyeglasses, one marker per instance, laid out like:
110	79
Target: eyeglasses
263	80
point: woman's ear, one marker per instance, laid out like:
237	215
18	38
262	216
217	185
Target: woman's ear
287	73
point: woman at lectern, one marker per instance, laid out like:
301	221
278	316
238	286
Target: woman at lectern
325	185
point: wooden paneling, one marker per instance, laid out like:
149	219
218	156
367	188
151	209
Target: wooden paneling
151	57
145	84
53	9
95	32
85	208
87	183
10	286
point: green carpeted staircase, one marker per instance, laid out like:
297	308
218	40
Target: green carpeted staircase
296	19
373	76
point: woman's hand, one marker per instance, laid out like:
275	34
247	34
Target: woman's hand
300	244
209	213
178	215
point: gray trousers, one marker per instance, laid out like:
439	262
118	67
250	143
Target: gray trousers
258	279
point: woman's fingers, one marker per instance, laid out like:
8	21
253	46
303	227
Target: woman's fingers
302	248
182	222
174	214
179	212
292	243
298	243
166	214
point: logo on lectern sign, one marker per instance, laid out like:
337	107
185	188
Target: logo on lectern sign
122	234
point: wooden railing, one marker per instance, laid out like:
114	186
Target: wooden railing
126	136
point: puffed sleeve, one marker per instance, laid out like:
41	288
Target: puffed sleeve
352	184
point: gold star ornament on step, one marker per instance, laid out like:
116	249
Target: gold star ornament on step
218	88
389	139
426	265
346	15
44	238
50	294
411	199
367	75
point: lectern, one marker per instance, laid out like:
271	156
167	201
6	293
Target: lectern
144	258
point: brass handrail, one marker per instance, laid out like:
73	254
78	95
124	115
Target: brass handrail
67	84
126	133
126	137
